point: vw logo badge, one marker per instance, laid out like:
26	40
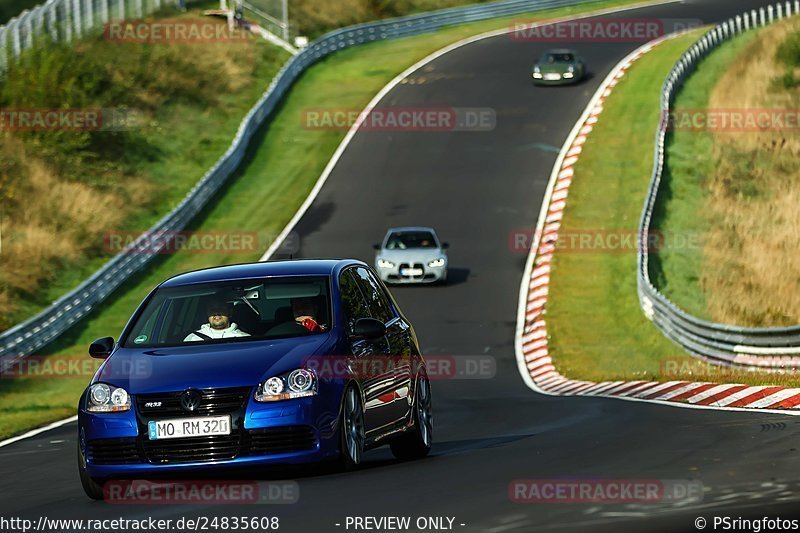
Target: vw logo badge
190	400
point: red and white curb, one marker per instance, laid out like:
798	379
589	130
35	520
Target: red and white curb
534	358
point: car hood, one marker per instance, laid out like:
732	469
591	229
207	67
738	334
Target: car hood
237	364
416	255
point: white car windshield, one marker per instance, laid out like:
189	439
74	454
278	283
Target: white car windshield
406	240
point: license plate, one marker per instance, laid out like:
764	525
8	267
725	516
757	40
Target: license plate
177	428
552	76
411	272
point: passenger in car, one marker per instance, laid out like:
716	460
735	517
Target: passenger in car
219	325
306	314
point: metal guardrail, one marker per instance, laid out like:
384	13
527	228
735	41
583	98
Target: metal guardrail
777	347
34	333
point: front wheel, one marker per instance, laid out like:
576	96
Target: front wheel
91	487
416	443
352	430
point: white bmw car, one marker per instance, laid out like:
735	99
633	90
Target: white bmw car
411	255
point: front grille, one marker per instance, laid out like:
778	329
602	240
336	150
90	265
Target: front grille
419	266
113	451
192	449
286	439
213	402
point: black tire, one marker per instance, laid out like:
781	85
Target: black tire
351	429
92	487
416	443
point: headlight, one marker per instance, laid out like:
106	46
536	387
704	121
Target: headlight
437	262
383	263
298	383
568	75
104	398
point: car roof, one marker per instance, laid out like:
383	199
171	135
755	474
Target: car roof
295	267
410	228
560	51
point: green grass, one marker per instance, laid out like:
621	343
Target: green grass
679	210
189	114
282	166
597	329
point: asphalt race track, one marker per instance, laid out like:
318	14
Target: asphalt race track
475	188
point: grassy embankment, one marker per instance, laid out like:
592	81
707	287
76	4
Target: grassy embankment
598	331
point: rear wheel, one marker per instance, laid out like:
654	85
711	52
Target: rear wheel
92	487
416	443
352	430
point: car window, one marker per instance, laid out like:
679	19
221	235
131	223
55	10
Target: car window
353	302
559	58
376	299
405	240
233	311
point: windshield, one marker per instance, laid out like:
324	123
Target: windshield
233	311
558	58
404	240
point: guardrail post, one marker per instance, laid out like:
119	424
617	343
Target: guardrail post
770	13
3	50
121	9
738	24
104	12
27	23
88	9
746	22
76	17
779	9
796	7
15	44
139	10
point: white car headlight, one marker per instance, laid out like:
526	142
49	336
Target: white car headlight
103	398
437	262
298	383
383	263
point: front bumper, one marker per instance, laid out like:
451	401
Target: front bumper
559	81
116	445
412	274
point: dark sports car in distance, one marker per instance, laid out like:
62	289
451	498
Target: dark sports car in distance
251	365
559	67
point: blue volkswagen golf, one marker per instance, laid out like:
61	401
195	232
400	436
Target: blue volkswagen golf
256	364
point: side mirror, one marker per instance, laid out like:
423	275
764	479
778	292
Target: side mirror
101	348
376	246
369	328
445	245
